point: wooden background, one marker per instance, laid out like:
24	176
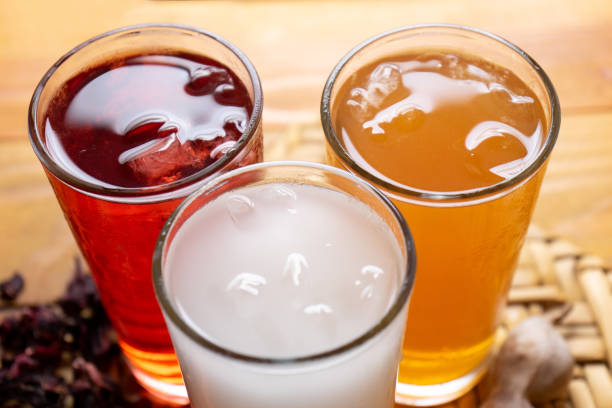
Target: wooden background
294	45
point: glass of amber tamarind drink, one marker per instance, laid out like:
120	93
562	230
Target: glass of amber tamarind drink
126	125
286	284
455	125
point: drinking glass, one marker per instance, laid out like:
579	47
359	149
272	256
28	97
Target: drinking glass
116	227
224	370
468	241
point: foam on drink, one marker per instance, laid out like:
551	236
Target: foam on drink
283	270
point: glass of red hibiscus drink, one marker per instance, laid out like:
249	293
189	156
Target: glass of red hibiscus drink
126	125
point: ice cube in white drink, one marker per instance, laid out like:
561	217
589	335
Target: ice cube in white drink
282	271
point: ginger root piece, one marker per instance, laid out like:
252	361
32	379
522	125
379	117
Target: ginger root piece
533	365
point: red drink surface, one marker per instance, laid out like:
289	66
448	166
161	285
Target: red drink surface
134	122
147	120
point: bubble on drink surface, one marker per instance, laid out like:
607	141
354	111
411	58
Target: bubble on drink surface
239	207
489	129
246	282
295	264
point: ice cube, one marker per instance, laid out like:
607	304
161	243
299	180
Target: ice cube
367	292
370	274
372	270
488	129
246	282
319	308
159	160
280	197
239	207
225	94
384	79
149	126
168	146
204	79
222	149
236	118
514	98
294	266
148	148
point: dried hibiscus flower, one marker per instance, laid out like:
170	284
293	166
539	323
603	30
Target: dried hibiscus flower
12	287
64	353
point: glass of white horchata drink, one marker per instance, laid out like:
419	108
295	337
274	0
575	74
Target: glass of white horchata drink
286	284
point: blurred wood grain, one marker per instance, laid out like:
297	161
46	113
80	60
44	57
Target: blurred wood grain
294	45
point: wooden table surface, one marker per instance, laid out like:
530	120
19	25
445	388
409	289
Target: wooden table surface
294	45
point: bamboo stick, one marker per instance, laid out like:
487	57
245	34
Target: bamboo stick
543	259
600	383
562	249
525	277
580	314
540	294
566	278
578	331
597	291
587	349
580	394
590	261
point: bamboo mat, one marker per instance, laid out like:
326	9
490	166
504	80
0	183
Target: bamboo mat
551	273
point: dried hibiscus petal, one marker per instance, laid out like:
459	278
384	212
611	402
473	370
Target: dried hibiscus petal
55	355
12	287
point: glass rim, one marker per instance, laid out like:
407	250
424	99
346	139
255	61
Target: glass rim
400	297
441	196
50	164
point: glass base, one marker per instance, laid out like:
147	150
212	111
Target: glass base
170	394
436	394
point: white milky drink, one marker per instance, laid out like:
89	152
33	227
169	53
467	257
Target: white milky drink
274	280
